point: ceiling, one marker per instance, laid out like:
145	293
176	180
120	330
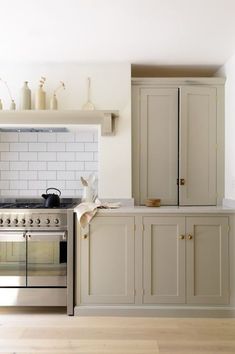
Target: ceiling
143	32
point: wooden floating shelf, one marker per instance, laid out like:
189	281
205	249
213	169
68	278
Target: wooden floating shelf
61	117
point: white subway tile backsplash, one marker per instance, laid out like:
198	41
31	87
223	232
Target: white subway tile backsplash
30	162
46	175
56	184
28	156
4	165
9	175
66	156
75	147
66	175
75	166
4	146
91	166
28	137
46	156
47	137
37	184
9	137
10	193
37	165
95	156
91	146
19	165
84	136
84	156
28	175
65	137
33	193
56	166
56	147
9	156
4	184
18	184
96	137
18	147
37	147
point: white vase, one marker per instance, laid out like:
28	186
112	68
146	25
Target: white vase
0	105
12	105
40	98
25	97
53	102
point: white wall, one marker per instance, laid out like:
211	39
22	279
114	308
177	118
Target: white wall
111	89
228	71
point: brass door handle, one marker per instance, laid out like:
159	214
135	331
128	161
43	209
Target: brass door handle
181	237
182	181
190	237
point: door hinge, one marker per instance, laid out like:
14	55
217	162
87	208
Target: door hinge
134	292
228	228
142	227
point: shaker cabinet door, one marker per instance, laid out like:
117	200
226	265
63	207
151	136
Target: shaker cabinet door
207	260
107	261
197	155
164	260
159	145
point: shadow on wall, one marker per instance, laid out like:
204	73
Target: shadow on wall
173	71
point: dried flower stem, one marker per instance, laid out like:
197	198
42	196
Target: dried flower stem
61	86
8	89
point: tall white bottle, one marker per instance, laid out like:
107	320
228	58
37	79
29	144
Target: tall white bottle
25	97
40	98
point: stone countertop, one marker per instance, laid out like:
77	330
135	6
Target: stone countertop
168	210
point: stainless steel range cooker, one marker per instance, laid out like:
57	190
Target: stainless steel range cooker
36	254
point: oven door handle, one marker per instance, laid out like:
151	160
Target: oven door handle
6	236
46	236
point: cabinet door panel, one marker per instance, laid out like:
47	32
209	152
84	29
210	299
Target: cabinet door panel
198	145
159	145
207	260
107	261
164	260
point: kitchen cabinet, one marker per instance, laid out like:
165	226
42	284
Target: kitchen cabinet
178	141
185	260
164	260
107	261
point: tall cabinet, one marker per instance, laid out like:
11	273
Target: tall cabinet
178	140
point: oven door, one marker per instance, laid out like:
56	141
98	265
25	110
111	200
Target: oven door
46	258
12	259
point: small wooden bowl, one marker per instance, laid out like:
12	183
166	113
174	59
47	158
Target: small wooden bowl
153	202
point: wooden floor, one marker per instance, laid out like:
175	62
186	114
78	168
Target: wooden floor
44	332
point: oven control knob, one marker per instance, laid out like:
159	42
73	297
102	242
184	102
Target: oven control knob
8	221
37	221
22	221
1	221
47	221
30	221
56	221
15	221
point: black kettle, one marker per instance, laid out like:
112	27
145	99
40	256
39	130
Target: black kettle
51	200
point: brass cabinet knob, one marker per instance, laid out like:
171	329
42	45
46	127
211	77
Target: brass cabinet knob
190	237
182	181
181	237
84	237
